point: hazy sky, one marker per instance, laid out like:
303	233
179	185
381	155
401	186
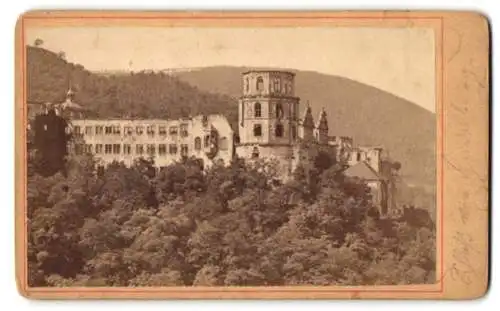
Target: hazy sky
397	60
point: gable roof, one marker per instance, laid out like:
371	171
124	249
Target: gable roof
69	104
362	170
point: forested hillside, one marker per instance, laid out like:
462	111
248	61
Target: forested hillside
142	94
229	226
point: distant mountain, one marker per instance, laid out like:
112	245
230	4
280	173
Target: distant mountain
120	94
370	115
118	72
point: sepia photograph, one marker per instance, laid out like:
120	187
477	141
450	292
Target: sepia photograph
251	155
230	156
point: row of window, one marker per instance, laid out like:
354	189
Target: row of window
278	131
257	110
130	130
151	148
275	86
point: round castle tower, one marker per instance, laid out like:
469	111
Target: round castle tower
268	116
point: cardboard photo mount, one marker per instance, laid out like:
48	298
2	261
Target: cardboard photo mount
462	64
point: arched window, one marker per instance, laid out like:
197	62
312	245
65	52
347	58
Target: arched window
197	143
255	152
279	110
257	130
247	86
278	131
257	110
260	84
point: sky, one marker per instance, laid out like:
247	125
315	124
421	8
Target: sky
397	60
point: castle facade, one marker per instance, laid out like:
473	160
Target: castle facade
270	126
209	138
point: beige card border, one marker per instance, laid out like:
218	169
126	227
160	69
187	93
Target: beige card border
450	271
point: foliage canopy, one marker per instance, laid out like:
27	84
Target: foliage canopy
226	226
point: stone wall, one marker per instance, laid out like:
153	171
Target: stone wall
208	138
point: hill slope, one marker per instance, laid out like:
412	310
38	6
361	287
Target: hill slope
143	94
369	115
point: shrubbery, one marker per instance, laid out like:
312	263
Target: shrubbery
234	225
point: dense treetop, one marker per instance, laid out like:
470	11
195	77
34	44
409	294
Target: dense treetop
235	225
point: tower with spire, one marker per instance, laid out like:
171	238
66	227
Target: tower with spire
306	129
70	94
69	108
321	128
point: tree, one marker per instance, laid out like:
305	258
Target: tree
180	180
61	55
38	42
49	146
323	161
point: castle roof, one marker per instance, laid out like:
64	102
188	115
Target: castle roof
322	120
69	104
307	120
145	120
362	170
